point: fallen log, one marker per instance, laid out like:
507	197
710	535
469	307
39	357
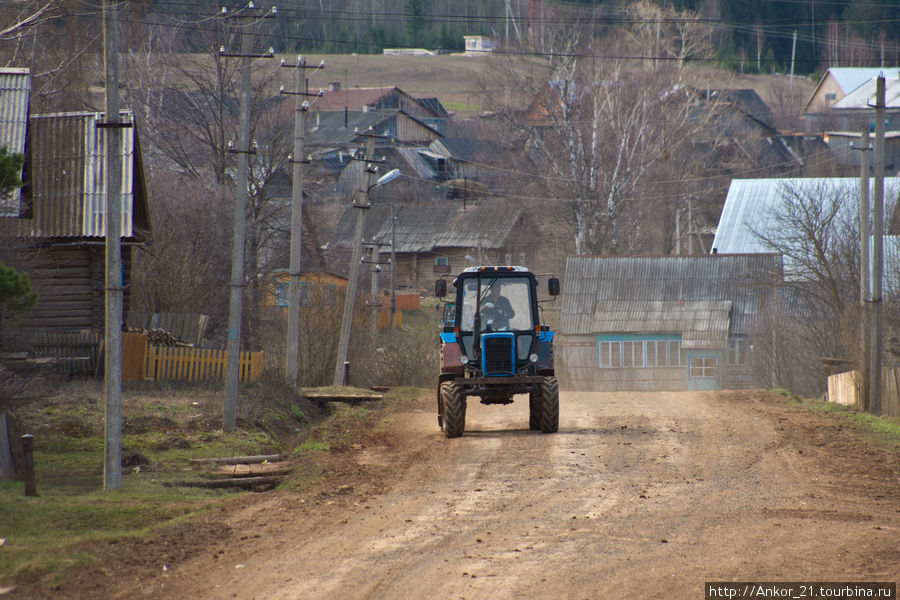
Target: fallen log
241	482
239	460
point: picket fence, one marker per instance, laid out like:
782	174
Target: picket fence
196	364
842	389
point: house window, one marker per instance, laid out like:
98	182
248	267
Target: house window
329	294
522	261
736	351
704	367
305	294
281	293
624	354
830	96
441	264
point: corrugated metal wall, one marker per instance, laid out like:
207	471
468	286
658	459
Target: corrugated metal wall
68	178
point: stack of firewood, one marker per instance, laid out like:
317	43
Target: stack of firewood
159	337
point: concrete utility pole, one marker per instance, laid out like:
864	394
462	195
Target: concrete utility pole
298	159
362	205
112	465
865	364
877	248
235	306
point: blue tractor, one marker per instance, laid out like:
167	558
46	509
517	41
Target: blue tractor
496	347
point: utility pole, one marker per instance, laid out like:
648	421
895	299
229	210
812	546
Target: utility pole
393	266
877	249
865	363
112	465
690	225
793	54
298	159
235	306
362	205
376	256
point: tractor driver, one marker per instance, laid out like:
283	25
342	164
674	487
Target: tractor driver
496	310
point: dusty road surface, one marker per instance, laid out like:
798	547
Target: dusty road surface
639	495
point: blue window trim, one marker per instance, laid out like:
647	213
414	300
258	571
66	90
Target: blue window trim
637	337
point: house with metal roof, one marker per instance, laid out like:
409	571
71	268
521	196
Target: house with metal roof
836	83
15	89
652	323
850	108
62	222
751	205
432	239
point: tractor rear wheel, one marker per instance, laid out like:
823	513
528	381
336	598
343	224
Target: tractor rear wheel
549	405
454	410
534	411
440	408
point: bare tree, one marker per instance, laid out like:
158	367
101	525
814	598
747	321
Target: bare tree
814	227
187	266
603	126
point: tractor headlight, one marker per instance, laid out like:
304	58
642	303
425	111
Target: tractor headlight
464	359
533	358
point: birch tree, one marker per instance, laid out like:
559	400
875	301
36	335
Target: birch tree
604	125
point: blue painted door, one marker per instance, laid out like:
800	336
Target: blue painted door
703	369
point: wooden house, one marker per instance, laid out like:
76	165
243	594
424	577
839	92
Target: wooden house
836	83
663	322
844	98
61	220
316	287
439	238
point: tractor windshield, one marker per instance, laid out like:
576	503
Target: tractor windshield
505	304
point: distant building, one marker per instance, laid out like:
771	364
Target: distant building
654	323
476	45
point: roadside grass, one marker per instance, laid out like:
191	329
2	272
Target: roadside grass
883	431
72	521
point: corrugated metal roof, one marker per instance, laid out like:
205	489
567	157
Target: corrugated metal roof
68	185
15	88
437	225
701	323
863	97
850	78
751	203
466	149
689	290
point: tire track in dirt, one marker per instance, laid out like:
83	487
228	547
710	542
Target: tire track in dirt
638	495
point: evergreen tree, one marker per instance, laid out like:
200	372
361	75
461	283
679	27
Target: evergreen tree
10	167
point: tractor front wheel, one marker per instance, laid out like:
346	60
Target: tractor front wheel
453	404
549	405
534	411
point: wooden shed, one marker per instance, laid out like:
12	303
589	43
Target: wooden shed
61	223
441	238
665	322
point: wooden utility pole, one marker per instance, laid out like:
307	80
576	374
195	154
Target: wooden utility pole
865	290
298	159
235	306
362	205
112	465
877	249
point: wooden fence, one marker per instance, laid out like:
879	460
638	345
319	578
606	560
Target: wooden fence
195	364
71	352
842	389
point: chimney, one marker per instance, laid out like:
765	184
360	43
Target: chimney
345	116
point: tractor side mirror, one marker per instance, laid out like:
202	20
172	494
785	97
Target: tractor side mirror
440	288
553	286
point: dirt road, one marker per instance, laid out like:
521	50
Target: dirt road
637	496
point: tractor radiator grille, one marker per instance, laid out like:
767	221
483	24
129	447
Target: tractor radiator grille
499	355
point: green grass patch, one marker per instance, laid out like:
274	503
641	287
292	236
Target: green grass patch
881	430
50	535
462	106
